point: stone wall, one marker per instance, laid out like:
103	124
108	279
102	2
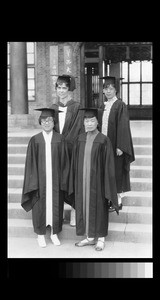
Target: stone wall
43	82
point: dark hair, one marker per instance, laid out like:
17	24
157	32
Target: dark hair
40	118
89	115
115	85
62	80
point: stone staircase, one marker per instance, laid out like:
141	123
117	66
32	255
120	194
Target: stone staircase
134	223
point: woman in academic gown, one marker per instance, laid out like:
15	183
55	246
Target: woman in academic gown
45	178
92	180
114	123
69	121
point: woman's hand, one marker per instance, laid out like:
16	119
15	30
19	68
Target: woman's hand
119	152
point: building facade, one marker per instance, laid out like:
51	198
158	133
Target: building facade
33	68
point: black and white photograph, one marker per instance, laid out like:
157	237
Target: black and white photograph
79	148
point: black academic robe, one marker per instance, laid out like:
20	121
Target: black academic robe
120	136
34	186
74	122
73	126
102	184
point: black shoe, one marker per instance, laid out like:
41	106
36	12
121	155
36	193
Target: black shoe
111	209
87	243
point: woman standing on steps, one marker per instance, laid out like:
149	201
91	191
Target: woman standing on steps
114	123
92	181
69	121
45	178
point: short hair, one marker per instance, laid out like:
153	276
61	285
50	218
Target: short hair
40	118
112	81
62	80
69	80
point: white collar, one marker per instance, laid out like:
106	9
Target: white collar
48	135
110	100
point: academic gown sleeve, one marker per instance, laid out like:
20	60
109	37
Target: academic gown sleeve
77	127
109	178
65	167
72	174
30	184
124	138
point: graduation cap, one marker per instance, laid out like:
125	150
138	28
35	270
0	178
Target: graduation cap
68	79
90	112
47	112
111	80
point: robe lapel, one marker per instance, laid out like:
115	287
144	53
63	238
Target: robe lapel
69	117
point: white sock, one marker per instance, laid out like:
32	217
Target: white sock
101	239
55	239
72	217
90	239
41	237
41	241
119	198
73	212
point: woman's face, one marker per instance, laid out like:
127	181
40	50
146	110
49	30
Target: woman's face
47	124
62	90
90	124
109	91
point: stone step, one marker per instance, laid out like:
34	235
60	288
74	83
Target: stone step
137	233
136	171
14	195
24	137
117	231
141	171
17	158
15	181
132	198
141	184
22	148
142	149
137	184
137	198
132	214
16	169
17	148
15	210
142	140
128	214
142	160
18	139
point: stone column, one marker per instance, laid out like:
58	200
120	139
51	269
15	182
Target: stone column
18	78
101	75
89	86
115	72
82	76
